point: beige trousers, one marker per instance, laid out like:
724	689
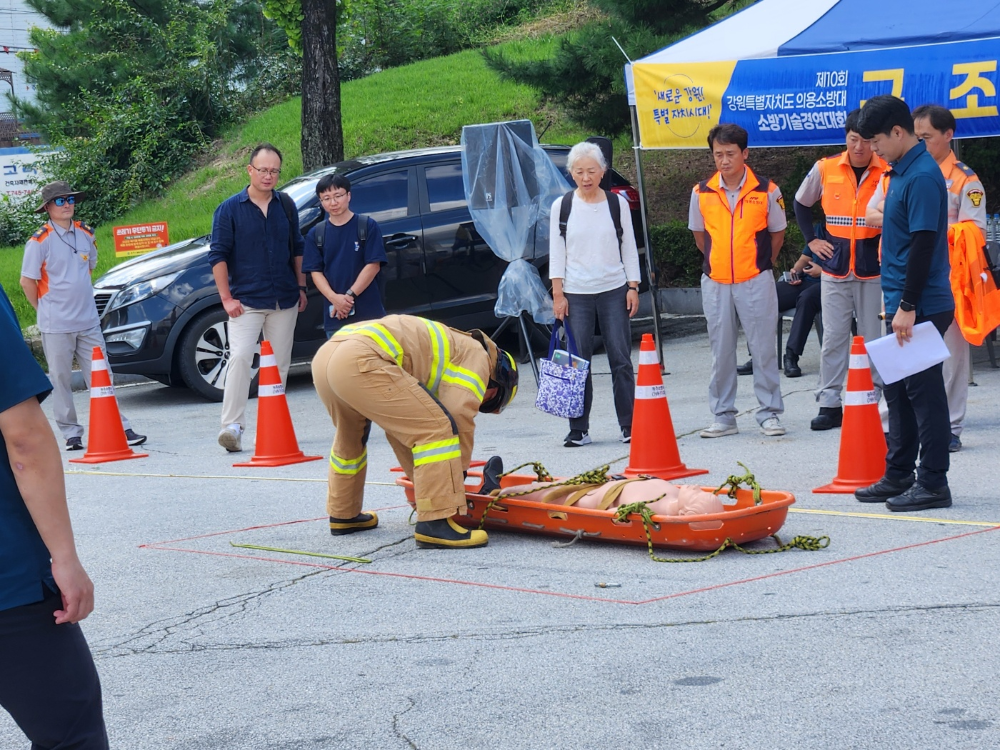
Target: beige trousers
359	385
278	327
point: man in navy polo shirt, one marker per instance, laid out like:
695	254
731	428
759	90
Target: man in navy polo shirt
256	257
344	269
917	288
48	682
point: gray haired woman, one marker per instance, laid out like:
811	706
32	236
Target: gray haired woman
594	277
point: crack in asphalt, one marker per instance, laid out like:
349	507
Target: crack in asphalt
160	632
395	723
148	638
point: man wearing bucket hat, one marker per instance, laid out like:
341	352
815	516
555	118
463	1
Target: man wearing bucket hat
55	276
423	383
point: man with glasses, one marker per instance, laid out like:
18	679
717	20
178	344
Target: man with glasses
344	258
59	260
256	258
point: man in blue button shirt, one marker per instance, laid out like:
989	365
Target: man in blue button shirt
48	682
256	257
917	288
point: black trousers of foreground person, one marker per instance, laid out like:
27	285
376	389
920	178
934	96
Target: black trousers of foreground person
48	681
919	421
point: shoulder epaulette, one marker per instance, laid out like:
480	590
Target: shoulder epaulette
42	233
85	227
966	170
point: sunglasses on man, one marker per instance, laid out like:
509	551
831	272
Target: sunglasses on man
62	201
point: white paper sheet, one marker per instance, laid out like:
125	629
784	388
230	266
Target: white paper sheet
895	362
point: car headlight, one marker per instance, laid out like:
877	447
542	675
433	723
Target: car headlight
140	291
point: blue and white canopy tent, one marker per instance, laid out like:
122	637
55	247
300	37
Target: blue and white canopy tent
789	71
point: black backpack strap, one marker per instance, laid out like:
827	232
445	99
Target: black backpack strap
362	230
288	206
616	215
564	208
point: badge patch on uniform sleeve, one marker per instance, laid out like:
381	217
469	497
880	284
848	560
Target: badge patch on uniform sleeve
781	202
976	196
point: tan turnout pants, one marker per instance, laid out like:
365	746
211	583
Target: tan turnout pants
359	384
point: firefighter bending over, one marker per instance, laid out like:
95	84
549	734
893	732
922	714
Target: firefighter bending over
423	383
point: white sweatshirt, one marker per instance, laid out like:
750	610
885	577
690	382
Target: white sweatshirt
589	261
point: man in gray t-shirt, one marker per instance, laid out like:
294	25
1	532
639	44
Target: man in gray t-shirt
55	276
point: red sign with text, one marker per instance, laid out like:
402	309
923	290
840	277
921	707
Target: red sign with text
139	238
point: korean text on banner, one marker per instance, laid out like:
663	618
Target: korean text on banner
804	100
679	103
140	238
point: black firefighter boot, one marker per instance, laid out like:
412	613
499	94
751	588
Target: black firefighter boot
446	534
361	522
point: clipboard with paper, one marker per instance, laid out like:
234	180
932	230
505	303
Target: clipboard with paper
894	362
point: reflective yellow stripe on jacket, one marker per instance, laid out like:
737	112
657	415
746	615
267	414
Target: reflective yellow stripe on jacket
380	335
442	369
349	466
441	450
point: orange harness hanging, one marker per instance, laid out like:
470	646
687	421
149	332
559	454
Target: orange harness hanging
977	300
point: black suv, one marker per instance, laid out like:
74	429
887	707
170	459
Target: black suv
161	312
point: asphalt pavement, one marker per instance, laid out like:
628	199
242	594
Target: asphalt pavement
885	639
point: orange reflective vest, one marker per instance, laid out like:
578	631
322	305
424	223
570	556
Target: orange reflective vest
737	243
977	300
855	245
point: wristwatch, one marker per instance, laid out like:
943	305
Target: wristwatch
906	306
350	293
304	288
634	288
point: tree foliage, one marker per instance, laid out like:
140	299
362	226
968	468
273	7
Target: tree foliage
131	91
586	76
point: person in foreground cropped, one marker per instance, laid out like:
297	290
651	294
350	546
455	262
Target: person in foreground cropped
423	383
917	288
48	681
594	268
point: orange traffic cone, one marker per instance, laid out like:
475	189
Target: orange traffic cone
862	442
654	445
276	443
106	439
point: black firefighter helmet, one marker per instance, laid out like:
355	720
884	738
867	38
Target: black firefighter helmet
504	379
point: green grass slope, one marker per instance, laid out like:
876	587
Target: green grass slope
423	104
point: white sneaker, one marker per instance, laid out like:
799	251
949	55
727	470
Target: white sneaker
719	429
231	438
772	427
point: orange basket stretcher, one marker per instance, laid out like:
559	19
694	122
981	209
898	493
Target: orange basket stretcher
742	521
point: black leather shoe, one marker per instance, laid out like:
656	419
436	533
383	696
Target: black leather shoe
792	369
883	489
919	497
828	418
361	522
955	444
491	475
746	368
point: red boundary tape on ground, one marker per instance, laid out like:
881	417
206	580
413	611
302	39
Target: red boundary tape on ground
501	587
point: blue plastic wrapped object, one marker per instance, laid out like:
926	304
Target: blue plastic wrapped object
510	184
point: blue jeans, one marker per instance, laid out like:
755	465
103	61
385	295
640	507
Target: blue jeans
610	309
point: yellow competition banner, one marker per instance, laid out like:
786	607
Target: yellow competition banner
678	103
